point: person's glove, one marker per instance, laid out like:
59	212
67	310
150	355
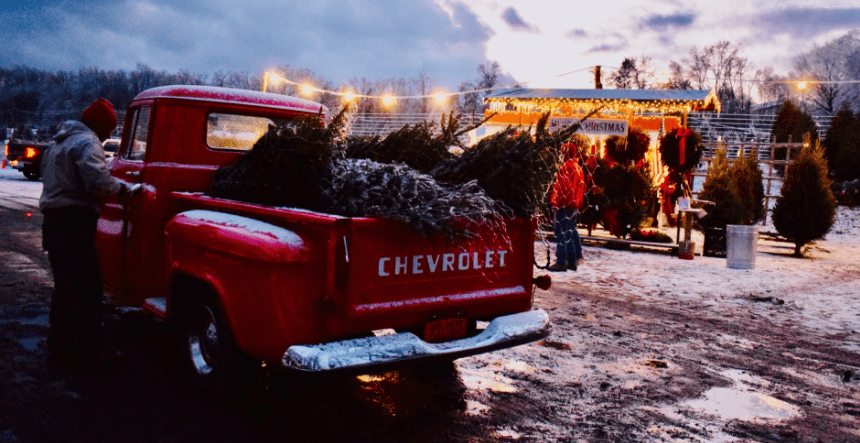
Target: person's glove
130	191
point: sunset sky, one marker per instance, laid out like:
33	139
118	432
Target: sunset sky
533	40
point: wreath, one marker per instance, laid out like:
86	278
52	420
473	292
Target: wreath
681	149
628	149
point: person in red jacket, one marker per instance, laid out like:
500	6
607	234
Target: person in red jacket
567	199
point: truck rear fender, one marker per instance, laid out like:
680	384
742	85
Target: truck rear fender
226	251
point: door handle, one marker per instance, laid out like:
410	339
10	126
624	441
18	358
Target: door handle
133	173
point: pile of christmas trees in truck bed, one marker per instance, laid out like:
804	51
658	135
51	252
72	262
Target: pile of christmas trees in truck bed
419	174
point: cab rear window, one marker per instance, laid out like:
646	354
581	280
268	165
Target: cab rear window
234	132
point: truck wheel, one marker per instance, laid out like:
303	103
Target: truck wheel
32	174
213	360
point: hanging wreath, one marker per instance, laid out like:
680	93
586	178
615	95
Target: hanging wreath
681	150
631	148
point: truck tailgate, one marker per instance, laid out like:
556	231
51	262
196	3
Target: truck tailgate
397	278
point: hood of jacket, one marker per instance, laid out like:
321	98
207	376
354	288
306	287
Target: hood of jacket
70	128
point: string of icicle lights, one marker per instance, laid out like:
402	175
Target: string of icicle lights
439	96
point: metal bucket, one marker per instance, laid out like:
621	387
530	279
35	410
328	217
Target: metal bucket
741	244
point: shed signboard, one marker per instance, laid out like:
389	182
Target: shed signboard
591	126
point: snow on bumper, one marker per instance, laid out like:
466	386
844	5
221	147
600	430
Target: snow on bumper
377	352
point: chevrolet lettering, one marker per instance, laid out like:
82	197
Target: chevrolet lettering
419	264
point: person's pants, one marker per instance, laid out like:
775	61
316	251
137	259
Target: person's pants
568	248
68	234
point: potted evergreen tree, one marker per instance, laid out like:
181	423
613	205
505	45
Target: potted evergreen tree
725	208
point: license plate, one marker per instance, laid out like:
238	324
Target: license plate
445	330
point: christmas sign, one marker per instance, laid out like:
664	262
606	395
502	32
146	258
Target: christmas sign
591	126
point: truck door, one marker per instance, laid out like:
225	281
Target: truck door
116	221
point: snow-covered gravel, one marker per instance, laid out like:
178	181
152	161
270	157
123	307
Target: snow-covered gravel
649	347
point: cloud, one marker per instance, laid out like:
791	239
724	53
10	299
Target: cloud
807	22
663	22
513	19
576	33
337	39
607	48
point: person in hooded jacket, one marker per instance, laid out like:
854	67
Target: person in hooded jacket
75	182
567	199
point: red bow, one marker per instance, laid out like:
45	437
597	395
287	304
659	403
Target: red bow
682	145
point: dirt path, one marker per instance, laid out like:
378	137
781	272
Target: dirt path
634	356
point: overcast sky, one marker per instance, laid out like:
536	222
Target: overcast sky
376	39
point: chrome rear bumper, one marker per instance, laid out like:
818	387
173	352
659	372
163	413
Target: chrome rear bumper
377	353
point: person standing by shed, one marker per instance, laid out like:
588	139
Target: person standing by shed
567	199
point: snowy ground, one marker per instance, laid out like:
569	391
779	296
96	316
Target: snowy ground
645	347
649	347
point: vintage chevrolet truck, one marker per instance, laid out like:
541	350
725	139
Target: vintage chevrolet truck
305	291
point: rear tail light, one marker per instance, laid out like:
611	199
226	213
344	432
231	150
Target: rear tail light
30	152
7	150
543	282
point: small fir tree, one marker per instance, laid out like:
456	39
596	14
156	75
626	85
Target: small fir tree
844	154
806	209
791	124
843	132
720	189
749	187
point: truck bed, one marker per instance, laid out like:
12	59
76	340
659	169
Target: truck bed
360	275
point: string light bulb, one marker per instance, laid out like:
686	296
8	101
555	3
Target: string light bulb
307	89
801	85
387	100
348	96
440	98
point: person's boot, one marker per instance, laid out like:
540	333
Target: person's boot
557	267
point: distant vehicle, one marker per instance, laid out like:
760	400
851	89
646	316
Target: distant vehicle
111	146
26	156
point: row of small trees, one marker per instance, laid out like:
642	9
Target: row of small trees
804	211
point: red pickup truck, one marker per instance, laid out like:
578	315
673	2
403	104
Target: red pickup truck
305	291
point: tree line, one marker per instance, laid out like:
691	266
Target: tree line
39	97
828	70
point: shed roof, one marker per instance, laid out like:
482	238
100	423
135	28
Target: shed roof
651	99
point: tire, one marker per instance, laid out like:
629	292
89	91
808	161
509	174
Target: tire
32	174
212	359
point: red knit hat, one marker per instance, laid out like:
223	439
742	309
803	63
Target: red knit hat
100	117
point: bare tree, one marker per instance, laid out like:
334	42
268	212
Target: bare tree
770	86
825	66
676	79
423	84
720	67
852	91
644	73
698	65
